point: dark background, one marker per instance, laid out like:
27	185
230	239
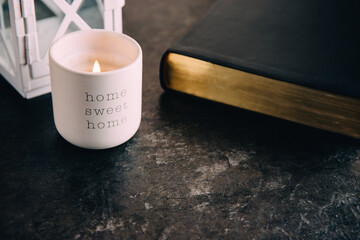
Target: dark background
194	170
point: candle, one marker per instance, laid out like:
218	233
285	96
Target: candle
85	61
96	81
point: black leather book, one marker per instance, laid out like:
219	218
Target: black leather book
298	60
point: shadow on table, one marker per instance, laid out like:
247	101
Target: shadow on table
276	140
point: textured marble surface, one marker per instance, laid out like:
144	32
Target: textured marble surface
194	170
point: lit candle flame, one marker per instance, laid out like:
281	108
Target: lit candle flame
96	67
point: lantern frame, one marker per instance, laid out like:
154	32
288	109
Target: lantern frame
26	69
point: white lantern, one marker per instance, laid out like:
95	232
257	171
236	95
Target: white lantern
28	27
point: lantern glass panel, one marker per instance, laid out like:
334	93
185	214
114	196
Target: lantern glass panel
91	11
6	39
48	21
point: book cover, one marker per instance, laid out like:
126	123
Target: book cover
295	60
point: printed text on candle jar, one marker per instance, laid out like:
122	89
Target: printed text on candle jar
119	106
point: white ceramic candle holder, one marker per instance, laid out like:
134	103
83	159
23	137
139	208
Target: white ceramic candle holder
96	110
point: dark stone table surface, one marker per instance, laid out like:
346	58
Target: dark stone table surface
194	169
